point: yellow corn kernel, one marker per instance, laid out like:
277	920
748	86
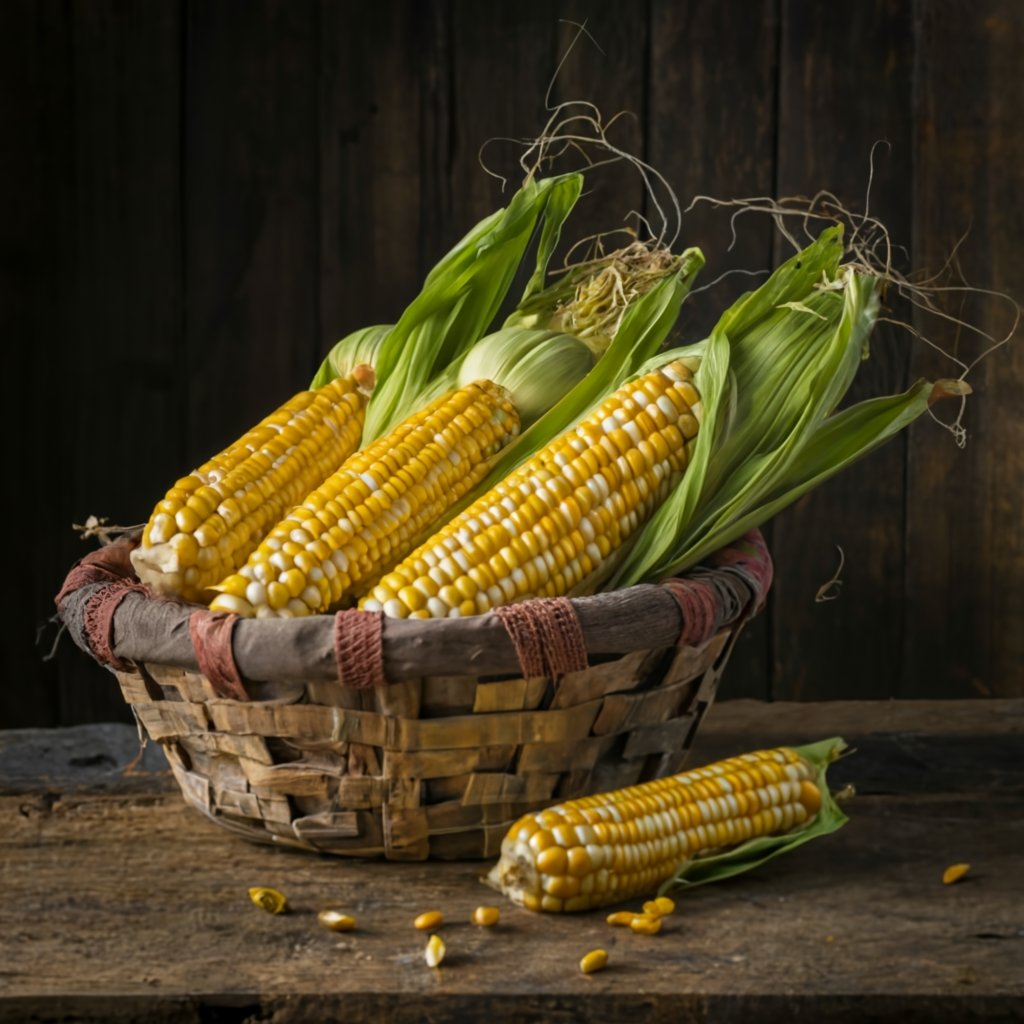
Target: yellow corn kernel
621	918
954	873
336	921
270	900
434	953
660	907
642	924
595	960
429	921
486	917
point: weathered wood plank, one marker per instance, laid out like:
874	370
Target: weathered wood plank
710	130
871	933
377	62
965	547
122	236
833	107
251	214
34	313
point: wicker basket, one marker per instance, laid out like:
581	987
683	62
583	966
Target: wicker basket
459	742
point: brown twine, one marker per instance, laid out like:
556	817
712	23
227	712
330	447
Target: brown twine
359	648
98	619
211	634
547	636
699	607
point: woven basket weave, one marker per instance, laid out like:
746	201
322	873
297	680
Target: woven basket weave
441	758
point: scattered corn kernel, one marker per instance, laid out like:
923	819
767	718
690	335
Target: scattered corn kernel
336	921
954	873
270	900
621	918
486	916
643	924
595	960
434	953
661	907
429	921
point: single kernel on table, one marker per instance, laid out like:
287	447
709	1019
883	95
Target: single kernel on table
485	916
336	921
429	920
270	900
434	953
621	918
595	960
643	924
954	873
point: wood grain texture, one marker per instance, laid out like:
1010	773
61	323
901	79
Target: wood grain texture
710	130
965	541
251	168
34	308
832	109
870	931
379	66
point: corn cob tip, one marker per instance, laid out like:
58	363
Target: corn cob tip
365	377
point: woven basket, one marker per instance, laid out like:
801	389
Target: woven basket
479	720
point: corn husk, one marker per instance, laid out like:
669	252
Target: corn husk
772	374
461	296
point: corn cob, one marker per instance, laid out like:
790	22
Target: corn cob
555	523
369	513
210	521
615	846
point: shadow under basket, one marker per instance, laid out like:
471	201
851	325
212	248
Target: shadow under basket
434	736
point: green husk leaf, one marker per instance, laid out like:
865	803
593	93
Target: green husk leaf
461	296
771	376
840	441
755	852
360	346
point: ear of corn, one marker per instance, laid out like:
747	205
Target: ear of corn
555	524
615	846
209	522
368	513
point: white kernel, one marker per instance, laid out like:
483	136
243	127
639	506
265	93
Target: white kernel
437	608
461	560
312	597
496	595
370	604
301	536
394	608
256	594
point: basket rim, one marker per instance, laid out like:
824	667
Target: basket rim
148	628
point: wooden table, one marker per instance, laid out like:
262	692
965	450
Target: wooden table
118	903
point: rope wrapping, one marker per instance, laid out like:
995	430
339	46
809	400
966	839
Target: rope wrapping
547	636
359	648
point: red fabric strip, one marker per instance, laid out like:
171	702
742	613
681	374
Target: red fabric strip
98	620
547	636
211	634
359	648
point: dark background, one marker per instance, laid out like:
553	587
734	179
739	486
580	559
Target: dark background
199	197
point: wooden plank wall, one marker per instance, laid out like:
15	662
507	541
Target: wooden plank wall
200	196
